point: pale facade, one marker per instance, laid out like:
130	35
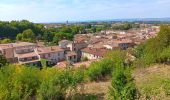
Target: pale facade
53	54
90	56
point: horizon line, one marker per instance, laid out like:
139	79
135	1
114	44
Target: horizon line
102	20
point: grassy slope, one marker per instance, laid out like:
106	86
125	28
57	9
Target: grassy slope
153	82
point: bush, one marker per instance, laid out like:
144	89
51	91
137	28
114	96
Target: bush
122	86
3	61
56	87
84	59
5	41
25	83
94	71
20	82
164	56
101	69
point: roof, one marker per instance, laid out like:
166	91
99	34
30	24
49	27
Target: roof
63	64
113	45
125	41
69	54
26	55
6	46
44	50
21	44
29	62
64	41
17	44
97	45
95	51
80	39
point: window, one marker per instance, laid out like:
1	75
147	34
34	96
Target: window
4	53
49	55
25	59
74	57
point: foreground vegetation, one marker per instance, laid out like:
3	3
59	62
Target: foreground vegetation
21	82
153	83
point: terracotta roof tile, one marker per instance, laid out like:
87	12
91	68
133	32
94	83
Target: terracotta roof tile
98	52
71	54
44	50
26	55
6	46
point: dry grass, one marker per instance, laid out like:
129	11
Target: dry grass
98	89
153	82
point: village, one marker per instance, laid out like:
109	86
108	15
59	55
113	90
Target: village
84	49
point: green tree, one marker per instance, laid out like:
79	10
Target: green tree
19	37
11	29
99	70
122	86
5	41
3	61
48	37
25	83
54	88
27	36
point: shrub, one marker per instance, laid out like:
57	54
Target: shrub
84	59
122	86
3	61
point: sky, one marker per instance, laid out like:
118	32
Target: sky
82	10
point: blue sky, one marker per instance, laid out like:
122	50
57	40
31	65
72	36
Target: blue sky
78	10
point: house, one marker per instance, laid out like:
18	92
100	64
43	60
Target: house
125	44
64	44
25	53
30	58
113	46
20	52
71	57
119	44
94	53
8	51
53	54
30	53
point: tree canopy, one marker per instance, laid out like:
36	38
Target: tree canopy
26	36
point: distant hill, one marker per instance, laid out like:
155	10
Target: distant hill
158	20
144	19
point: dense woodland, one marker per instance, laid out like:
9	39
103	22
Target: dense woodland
28	82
